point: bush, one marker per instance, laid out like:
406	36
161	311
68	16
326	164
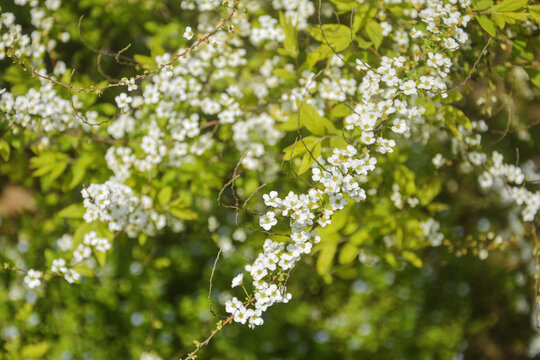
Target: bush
371	164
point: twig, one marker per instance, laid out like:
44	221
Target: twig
473	68
327	42
75	109
116	56
210	286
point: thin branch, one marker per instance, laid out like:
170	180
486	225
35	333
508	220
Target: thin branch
137	77
116	55
210	286
484	51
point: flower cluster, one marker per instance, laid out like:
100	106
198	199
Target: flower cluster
501	176
41	109
387	100
431	227
251	135
115	204
171	118
59	267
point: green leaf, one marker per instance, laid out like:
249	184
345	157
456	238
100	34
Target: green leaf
101	257
437	207
299	147
510	5
78	171
105	109
310	118
482	5
348	253
336	35
362	43
453	117
391	259
284	74
58	170
142	239
339	111
344	6
374	32
487	25
308	159
290	43
499	20
535	79
325	259
165	194
77	175
452	97
73	211
362	14
412	258
428	192
360	237
184	213
84	270
49	162
521	47
516	16
534	14
321	53
456	115
35	351
5	150
453	129
405	178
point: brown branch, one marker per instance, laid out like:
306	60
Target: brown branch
210	286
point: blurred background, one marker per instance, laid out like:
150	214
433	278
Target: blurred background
151	297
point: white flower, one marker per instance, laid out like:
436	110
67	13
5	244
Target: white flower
400	126
241	315
103	245
239	235
237	280
408	87
268	220
82	252
254	318
233	305
188	34
258	272
438	160
367	137
72	276
65	243
90	238
149	356
123	101
485	180
32	278
58	265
